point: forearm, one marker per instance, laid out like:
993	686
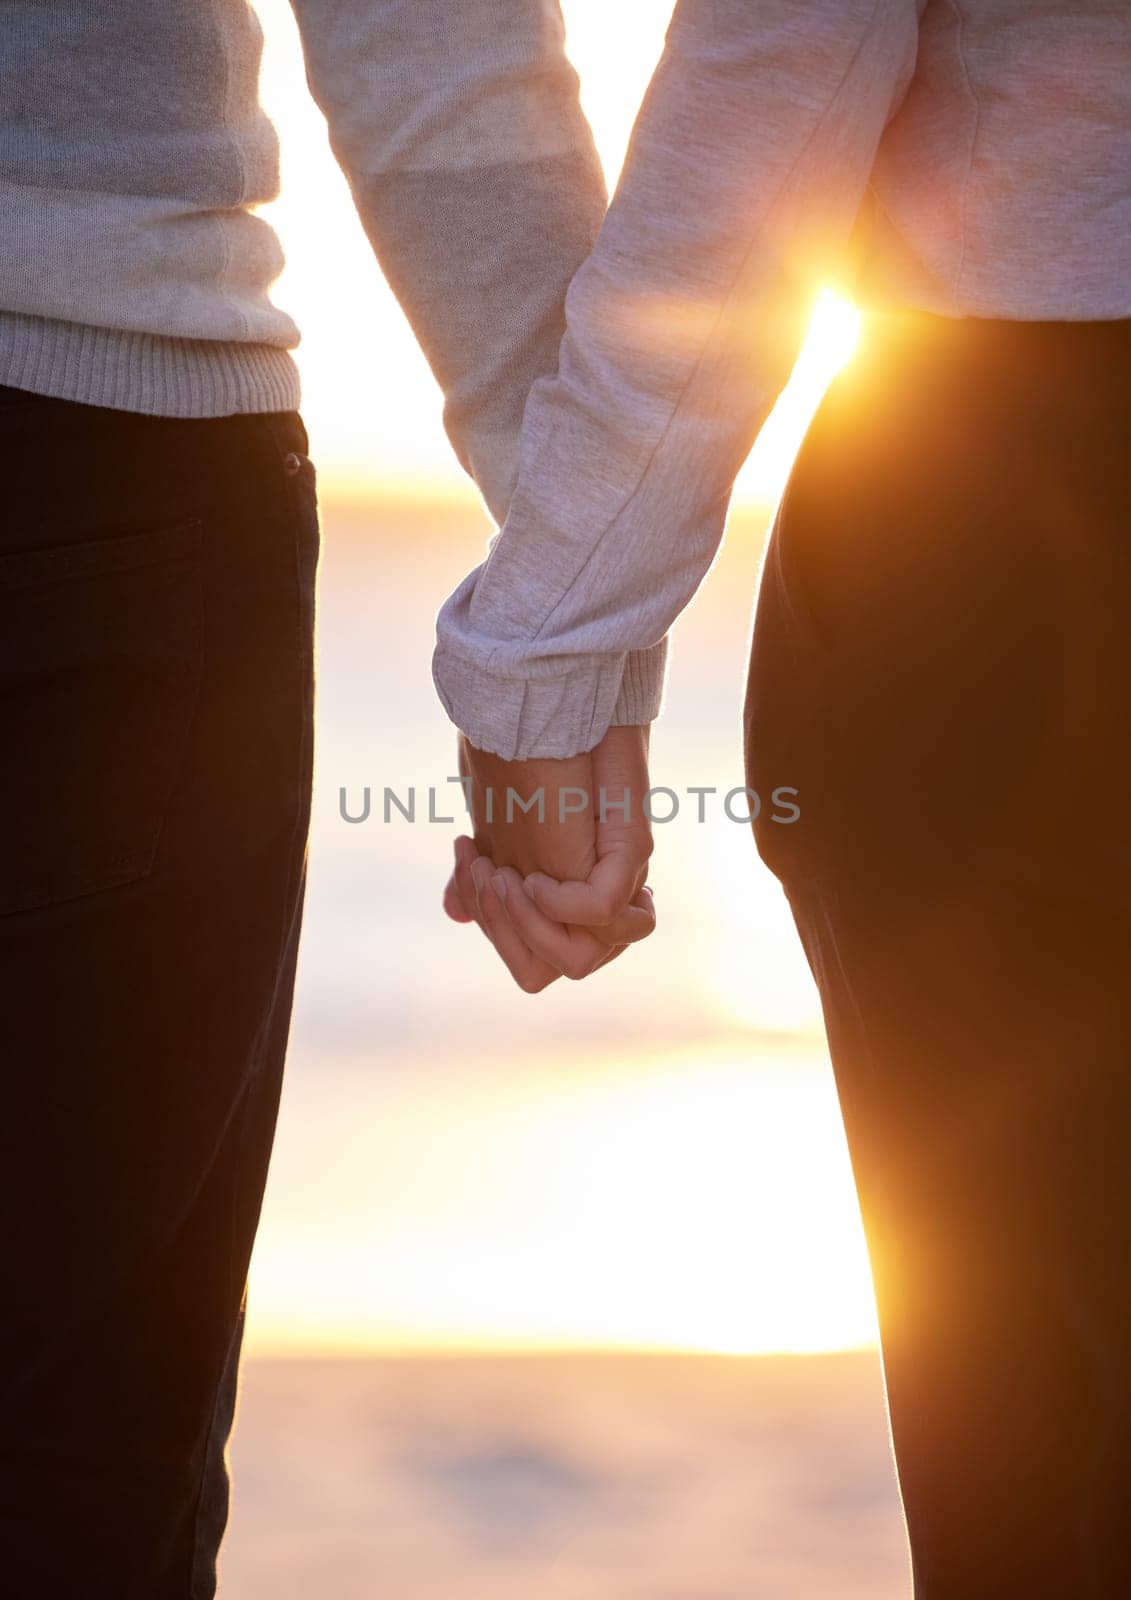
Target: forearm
744	174
458	125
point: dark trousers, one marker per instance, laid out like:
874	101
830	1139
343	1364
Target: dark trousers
156	616
942	666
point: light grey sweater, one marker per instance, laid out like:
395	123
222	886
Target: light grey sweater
966	156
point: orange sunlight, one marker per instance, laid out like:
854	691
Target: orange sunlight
697	1204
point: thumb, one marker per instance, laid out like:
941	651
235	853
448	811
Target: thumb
602	898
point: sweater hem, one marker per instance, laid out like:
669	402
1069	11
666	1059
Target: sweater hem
525	718
144	372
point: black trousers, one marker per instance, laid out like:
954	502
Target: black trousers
942	666
156	616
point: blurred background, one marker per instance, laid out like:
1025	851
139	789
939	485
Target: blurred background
561	1295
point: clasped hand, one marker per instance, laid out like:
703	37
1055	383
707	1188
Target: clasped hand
554	873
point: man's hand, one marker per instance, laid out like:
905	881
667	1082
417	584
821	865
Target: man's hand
555	873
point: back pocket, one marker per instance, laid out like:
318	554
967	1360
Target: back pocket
100	657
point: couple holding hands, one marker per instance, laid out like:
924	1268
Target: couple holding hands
941	666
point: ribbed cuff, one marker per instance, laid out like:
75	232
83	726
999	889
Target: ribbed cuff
144	372
523	719
642	687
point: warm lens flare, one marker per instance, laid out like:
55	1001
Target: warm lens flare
833	334
829	344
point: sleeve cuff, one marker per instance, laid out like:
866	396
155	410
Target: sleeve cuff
550	717
642	687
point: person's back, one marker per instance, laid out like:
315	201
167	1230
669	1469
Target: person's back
132	150
1001	185
158	544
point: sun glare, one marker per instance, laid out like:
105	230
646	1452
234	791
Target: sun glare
699	1204
829	344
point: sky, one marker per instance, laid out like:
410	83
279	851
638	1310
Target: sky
650	1160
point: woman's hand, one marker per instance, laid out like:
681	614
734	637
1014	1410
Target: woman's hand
554	874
